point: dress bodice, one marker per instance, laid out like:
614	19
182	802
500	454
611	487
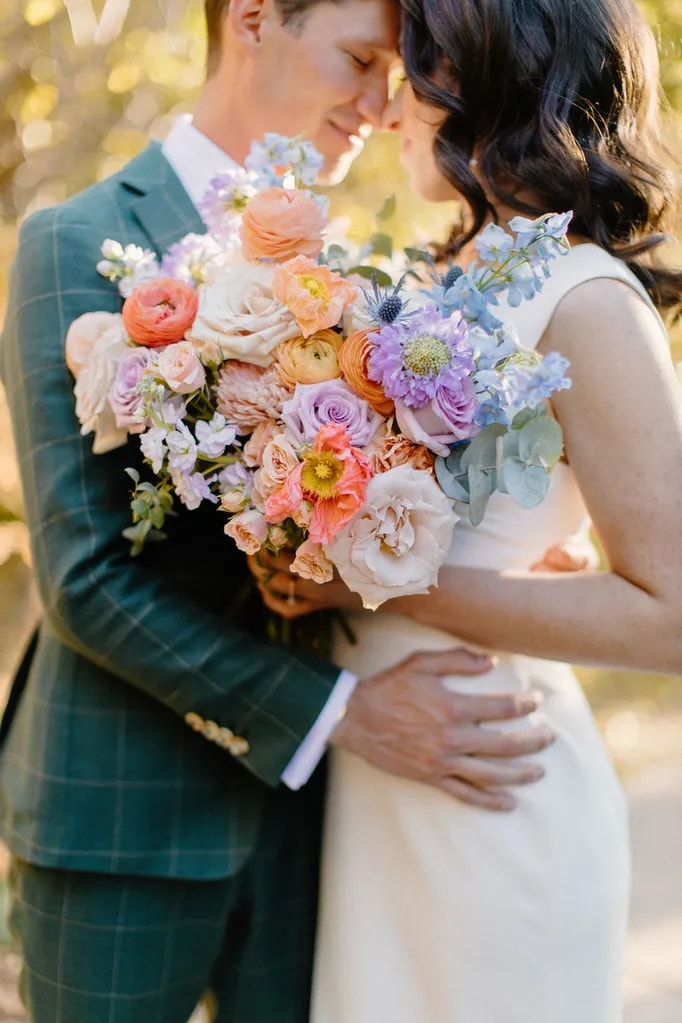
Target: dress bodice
511	537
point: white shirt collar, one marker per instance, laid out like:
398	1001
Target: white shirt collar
194	158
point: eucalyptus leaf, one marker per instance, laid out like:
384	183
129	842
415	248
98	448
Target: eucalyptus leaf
381	245
526	484
541	441
133	473
510	444
371	273
451	487
482	449
525	416
387	210
418	255
480	489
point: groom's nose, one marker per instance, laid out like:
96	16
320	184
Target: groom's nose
371	105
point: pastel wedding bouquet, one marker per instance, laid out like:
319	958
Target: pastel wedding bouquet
342	401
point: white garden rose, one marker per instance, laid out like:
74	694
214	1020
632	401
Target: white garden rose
95	377
397	542
83	334
240	313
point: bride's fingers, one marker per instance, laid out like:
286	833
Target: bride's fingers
486	775
284	606
466	793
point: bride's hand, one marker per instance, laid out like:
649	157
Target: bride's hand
289	595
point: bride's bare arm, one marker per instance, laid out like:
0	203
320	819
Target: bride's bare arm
622	423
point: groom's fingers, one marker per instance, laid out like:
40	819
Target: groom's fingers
493	706
474	741
501	801
486	775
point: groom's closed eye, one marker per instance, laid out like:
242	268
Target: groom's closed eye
359	62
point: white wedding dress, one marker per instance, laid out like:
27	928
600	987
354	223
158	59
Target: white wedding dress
432	911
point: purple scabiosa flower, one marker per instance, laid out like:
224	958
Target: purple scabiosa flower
413	360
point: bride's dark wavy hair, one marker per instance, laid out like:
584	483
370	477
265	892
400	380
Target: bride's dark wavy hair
558	99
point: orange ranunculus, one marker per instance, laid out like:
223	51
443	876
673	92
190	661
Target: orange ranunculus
315	294
333	476
159	312
282	223
354	359
309	360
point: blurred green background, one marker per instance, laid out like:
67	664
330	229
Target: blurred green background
83	85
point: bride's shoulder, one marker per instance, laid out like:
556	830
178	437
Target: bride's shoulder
608	308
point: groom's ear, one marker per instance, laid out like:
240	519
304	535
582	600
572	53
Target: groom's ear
247	18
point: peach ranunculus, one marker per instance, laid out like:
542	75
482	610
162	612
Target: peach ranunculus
248	395
159	312
249	530
315	294
240	312
354	358
281	223
264	432
309	360
397	450
279	461
397	543
84	333
333	476
312	563
180	367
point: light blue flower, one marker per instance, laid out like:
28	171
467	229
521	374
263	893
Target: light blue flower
278	157
494	243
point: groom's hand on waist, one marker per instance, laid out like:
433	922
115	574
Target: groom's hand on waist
404	721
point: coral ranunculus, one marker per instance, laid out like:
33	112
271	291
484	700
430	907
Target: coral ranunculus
282	223
315	294
333	477
159	313
354	359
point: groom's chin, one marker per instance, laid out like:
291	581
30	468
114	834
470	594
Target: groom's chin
336	167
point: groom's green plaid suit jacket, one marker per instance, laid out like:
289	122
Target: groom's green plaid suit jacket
98	768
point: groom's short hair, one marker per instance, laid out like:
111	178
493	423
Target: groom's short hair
292	12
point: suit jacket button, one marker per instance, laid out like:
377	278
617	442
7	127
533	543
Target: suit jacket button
239	746
225	738
211	731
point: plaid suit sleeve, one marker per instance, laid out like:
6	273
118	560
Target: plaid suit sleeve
97	599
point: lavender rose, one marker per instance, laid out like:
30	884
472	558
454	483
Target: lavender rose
447	418
124	398
331	401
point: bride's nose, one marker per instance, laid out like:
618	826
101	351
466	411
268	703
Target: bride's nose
392	117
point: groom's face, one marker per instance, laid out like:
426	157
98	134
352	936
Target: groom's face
325	77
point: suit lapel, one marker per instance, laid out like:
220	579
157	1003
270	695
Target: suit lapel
159	202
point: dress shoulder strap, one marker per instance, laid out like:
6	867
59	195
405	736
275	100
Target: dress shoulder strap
582	263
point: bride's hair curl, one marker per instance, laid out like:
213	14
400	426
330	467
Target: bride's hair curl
559	102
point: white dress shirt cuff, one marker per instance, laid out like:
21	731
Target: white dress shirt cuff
312	749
